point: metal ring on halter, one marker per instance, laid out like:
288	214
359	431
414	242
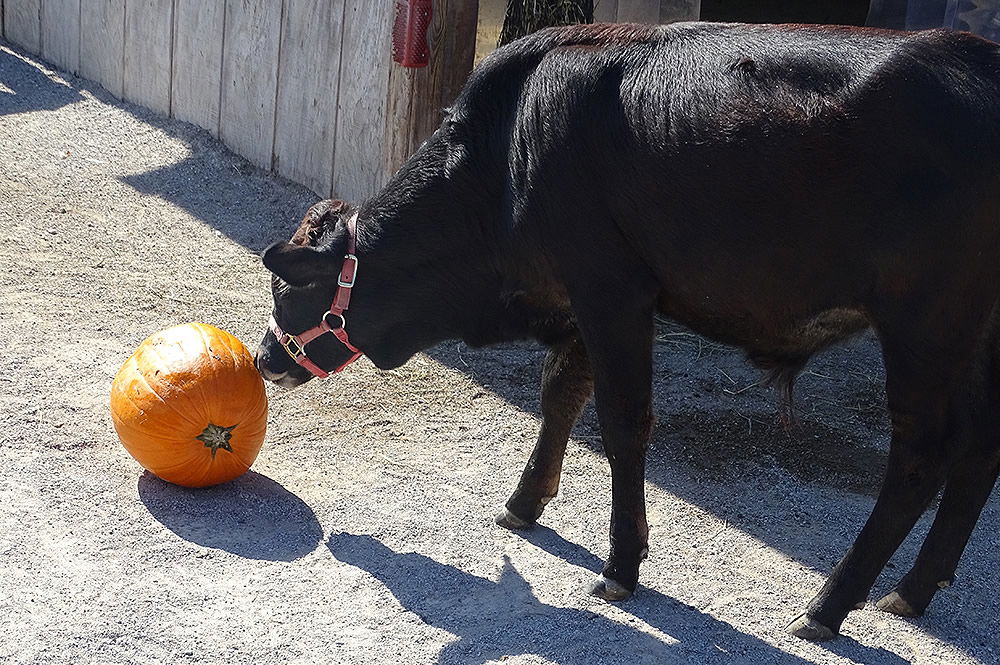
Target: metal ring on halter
343	321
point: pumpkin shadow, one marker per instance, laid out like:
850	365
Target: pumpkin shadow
252	516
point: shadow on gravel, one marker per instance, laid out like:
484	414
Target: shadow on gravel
712	431
220	188
252	516
718	444
24	87
648	604
492	620
714	423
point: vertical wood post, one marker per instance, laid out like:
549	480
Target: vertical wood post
196	72
417	97
60	20
250	77
605	11
308	83
102	43
23	24
148	50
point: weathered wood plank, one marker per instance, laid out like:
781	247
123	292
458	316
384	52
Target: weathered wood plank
148	28
638	11
250	78
23	25
359	159
61	33
605	11
679	10
196	78
418	96
306	121
102	43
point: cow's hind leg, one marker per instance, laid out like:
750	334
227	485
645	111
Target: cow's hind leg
921	382
966	491
566	386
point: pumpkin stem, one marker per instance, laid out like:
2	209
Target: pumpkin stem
216	437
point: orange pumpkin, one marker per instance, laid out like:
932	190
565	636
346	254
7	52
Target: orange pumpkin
190	406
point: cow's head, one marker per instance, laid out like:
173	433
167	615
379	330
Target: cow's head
417	284
304	280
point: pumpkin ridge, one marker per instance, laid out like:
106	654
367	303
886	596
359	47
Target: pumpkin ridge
202	396
163	401
193	403
232	353
224	338
139	430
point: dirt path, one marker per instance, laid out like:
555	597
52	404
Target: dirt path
365	533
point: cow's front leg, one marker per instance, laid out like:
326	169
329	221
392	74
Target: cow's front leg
566	386
619	345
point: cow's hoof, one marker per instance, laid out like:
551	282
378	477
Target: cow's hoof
608	589
809	629
509	520
896	604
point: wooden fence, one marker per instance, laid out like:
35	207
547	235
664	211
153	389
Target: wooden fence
646	11
304	87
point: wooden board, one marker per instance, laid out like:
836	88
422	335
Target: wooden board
102	43
196	78
308	79
679	10
250	78
638	11
605	11
61	34
22	24
418	97
359	161
148	28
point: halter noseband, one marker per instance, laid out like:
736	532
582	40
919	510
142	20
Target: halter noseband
295	345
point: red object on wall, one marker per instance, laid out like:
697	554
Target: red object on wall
409	33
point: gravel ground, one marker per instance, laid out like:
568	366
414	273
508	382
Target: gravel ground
365	533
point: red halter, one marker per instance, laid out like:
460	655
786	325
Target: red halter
295	345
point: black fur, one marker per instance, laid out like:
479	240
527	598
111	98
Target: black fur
778	188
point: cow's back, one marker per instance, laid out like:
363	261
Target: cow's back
809	167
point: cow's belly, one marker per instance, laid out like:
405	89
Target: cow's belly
773	341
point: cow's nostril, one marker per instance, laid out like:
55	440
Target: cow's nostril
260	362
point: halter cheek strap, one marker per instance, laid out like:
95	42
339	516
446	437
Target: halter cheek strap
295	345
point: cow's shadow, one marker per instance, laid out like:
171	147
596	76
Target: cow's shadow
720	444
252	516
491	620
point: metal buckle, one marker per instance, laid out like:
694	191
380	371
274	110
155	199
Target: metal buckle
293	340
354	273
343	321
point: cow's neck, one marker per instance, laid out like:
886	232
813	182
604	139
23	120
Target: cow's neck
431	235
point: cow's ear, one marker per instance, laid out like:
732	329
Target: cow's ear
298	265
